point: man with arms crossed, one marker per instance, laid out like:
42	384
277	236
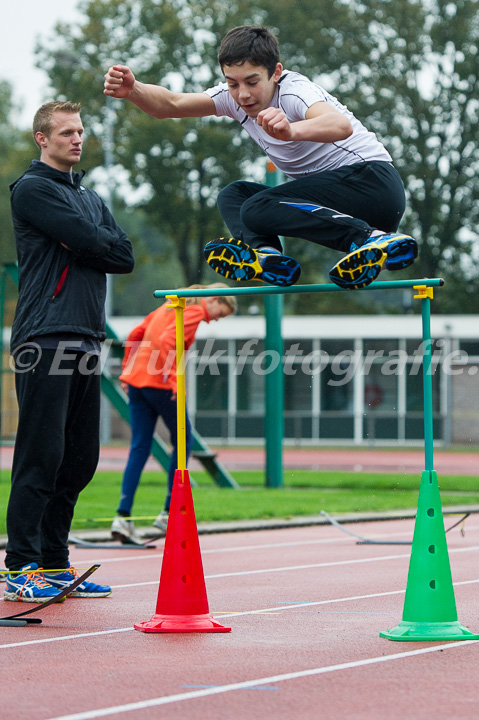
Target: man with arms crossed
66	241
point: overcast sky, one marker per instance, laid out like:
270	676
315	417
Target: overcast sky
23	21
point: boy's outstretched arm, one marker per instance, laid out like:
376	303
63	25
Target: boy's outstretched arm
154	99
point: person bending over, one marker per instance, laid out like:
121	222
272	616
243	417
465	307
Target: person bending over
149	376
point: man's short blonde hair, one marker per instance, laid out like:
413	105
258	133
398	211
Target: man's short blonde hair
42	122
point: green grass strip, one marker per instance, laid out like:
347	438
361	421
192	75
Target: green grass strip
306	492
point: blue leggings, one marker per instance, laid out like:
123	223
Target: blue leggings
147	404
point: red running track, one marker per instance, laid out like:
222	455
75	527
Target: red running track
355	460
305	605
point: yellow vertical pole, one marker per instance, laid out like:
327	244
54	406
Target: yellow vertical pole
179	304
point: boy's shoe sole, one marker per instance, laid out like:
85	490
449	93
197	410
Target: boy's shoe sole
236	260
362	266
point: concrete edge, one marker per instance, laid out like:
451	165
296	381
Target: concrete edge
208	528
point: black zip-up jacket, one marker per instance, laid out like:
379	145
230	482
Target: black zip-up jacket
63	289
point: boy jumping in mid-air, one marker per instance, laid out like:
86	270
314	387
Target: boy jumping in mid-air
344	193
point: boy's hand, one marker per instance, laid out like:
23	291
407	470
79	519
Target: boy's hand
119	81
275	123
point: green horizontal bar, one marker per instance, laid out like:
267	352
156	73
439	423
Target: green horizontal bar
272	290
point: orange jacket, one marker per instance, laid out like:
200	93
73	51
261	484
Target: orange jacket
150	349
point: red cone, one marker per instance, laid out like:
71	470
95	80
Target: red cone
182	604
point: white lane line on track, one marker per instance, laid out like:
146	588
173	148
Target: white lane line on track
223	615
245	548
247	684
337	563
214	551
233	614
65	637
284	568
351	598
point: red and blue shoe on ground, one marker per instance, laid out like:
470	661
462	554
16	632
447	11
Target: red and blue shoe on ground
236	260
363	264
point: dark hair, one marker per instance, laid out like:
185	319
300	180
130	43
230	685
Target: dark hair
249	43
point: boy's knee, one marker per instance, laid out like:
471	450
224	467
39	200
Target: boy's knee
228	193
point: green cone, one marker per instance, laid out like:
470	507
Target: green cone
429	606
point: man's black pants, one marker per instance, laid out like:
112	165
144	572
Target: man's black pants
56	452
333	208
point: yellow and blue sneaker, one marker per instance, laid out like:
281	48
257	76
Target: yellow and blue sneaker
236	260
363	264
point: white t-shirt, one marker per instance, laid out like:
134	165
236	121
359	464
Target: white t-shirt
294	95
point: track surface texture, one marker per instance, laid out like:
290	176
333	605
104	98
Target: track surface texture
305	605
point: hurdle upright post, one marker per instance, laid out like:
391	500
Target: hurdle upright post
429	606
182	602
179	304
426	295
274	380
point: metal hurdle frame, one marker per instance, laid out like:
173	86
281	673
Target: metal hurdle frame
429	608
274	441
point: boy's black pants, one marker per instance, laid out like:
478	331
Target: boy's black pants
56	452
333	208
